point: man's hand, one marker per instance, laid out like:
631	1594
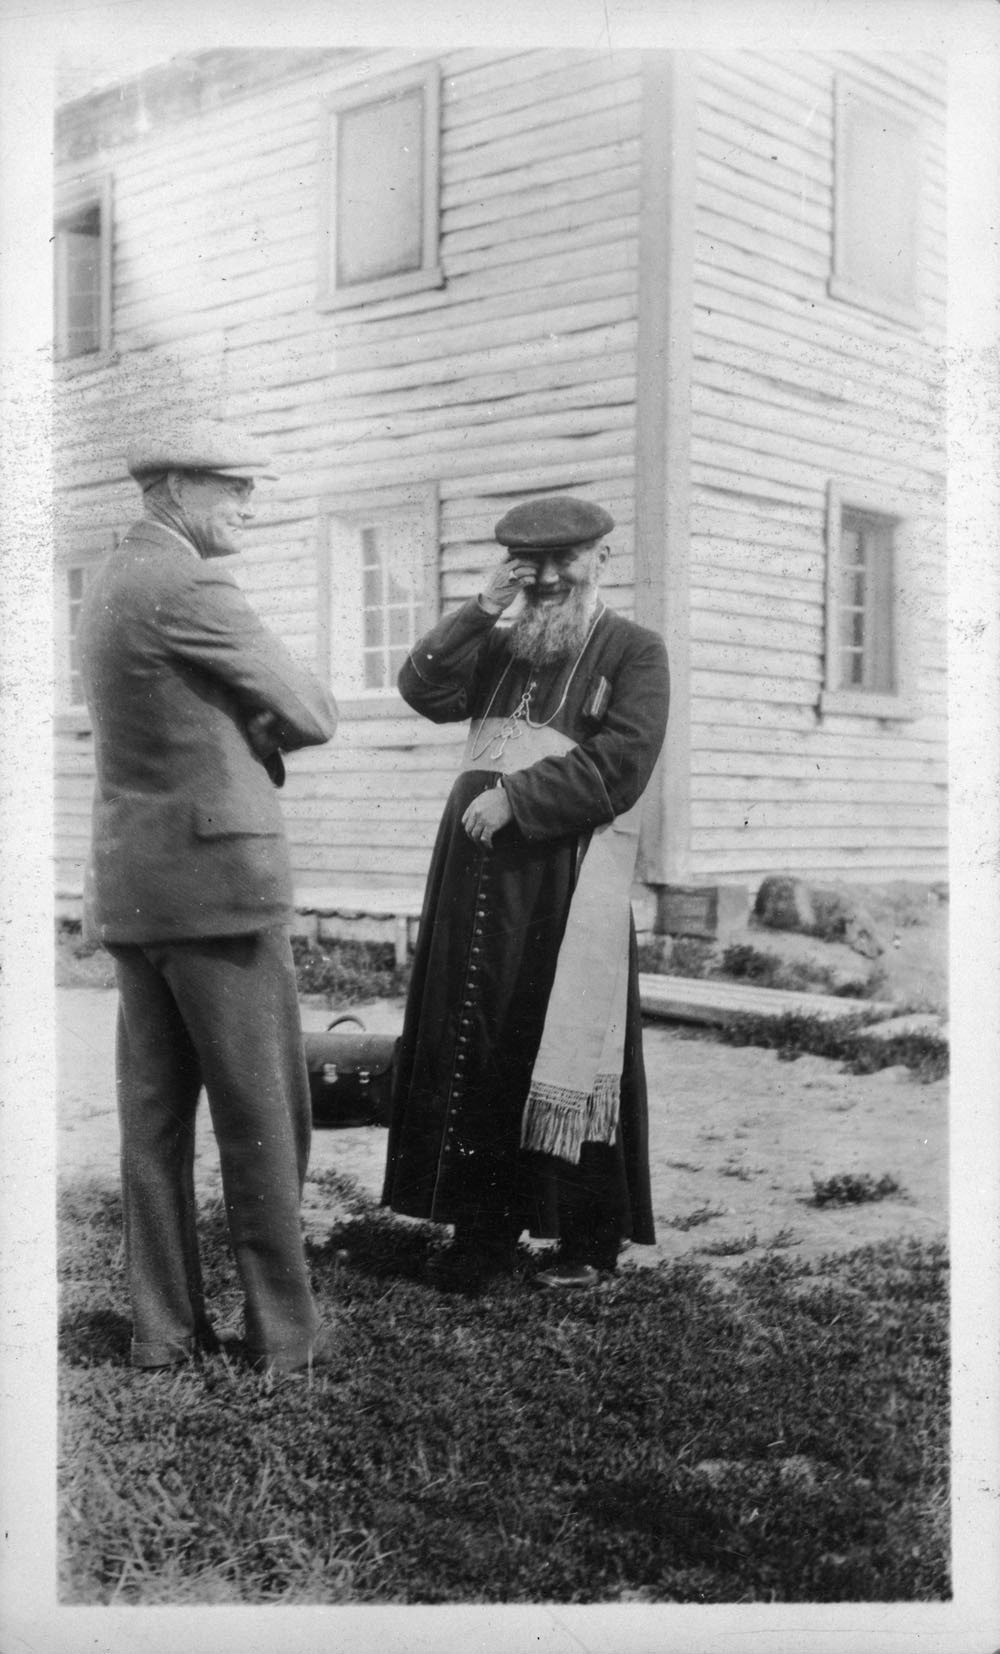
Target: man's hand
505	583
486	815
262	734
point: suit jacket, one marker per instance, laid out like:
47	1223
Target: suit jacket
188	837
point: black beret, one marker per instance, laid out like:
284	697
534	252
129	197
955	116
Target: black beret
557	522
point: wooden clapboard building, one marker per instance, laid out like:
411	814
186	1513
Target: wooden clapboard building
704	289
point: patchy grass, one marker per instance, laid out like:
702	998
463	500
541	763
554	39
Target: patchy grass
844	1039
348	973
745	963
779	1439
854	1189
693	1220
734	1247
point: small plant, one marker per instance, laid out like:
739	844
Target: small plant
690	956
782	1239
701	1214
853	1189
734	1247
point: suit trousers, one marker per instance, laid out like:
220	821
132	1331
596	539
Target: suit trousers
221	1012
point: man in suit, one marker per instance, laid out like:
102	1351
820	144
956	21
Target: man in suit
193	701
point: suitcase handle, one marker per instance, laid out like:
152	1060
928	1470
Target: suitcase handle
346	1018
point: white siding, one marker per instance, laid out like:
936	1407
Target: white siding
792	390
518	375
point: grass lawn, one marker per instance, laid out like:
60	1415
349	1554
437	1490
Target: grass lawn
776	1436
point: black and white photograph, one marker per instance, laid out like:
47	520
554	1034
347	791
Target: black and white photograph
502	861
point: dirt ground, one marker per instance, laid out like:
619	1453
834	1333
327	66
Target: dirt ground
736	1138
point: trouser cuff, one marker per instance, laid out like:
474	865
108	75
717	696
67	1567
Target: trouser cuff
162	1355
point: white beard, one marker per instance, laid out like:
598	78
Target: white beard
545	633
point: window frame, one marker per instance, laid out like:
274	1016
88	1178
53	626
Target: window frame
358	509
842	283
836	696
70	199
426	78
72	716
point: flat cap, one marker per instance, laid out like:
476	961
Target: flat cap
197	445
556	522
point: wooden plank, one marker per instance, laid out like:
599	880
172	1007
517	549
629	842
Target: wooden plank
563	251
486	215
564	74
737	727
686	999
769	309
758	665
712	683
537	174
797	603
921	75
616	205
740	382
604	421
828	441
799	214
725	135
606	129
558	379
524	67
361	863
736	761
774	841
767	454
823	819
826	862
547	108
782	792
743	641
713	480
732	81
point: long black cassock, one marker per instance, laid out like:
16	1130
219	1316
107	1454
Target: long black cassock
493	921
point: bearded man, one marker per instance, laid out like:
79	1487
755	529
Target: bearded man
520	1100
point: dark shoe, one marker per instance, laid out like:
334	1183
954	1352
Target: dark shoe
281	1363
564	1276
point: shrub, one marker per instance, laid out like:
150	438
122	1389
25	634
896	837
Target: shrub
348	972
847	1039
853	1189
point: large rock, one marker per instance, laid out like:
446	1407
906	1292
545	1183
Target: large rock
826	911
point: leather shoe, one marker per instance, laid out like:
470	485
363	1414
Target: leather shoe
566	1277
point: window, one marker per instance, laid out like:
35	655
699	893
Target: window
82	269
73	570
866	653
381	209
877	186
379	586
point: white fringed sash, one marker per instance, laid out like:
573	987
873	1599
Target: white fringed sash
575	1090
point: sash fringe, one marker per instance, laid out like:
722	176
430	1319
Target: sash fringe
559	1122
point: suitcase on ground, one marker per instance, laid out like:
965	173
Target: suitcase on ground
350	1075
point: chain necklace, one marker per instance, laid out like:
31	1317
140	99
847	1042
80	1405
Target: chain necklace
512	727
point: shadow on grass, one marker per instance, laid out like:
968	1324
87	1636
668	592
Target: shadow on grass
784	1439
